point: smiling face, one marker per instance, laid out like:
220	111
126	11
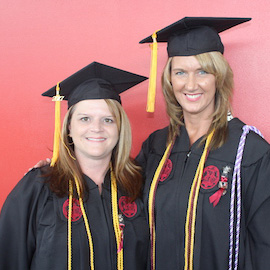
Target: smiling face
193	88
93	130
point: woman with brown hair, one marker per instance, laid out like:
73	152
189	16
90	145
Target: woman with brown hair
85	211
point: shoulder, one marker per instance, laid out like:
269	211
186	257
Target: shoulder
157	139
255	147
155	143
30	188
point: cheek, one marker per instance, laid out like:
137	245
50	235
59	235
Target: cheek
212	89
176	83
212	83
76	130
113	132
177	87
116	135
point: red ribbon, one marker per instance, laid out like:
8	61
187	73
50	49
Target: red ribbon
214	199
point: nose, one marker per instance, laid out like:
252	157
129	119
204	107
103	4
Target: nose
96	126
191	82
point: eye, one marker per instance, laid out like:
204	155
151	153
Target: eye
108	120
85	119
202	72
179	72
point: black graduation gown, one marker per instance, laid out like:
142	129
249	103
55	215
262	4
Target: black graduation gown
212	223
33	229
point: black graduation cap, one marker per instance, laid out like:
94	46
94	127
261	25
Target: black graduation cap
195	35
186	37
96	81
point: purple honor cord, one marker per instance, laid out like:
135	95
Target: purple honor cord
236	184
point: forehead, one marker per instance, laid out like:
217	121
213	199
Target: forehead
185	62
92	106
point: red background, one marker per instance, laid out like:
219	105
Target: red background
43	42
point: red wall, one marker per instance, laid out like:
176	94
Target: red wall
43	42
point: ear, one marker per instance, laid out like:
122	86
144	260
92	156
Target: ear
69	131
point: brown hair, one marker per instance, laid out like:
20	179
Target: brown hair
128	174
216	64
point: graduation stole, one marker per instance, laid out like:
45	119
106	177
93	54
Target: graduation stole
192	205
117	230
86	223
151	204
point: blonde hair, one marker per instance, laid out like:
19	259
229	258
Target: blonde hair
128	174
216	64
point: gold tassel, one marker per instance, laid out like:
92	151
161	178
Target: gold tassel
153	76
57	125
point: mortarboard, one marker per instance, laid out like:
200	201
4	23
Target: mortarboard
186	37
95	81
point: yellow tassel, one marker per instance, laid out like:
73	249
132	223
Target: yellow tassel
153	76
57	126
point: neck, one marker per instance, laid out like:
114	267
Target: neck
197	127
96	170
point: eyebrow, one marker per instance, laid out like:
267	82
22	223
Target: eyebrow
182	69
86	114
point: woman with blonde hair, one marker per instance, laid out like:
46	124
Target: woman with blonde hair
207	187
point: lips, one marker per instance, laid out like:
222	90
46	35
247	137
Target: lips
95	139
193	97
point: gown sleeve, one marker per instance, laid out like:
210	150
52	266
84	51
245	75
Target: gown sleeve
141	158
257	210
155	143
18	222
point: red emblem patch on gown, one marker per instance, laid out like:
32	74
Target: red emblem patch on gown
210	177
129	209
166	170
76	209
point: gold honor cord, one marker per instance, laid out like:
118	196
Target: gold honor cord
151	204
69	225
85	222
153	76
192	207
118	235
117	231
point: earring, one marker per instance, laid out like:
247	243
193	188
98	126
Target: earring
71	143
